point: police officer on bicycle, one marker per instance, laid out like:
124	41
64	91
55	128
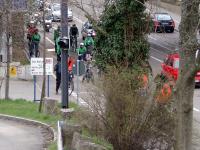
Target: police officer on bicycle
35	43
74	33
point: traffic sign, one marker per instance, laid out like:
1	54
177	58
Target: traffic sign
19	5
13	71
37	66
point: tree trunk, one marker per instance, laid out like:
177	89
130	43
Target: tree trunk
43	93
18	37
185	84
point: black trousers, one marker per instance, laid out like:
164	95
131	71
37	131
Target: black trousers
58	81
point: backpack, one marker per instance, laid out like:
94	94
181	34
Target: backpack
36	37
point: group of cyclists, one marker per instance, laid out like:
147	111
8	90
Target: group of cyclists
33	37
84	51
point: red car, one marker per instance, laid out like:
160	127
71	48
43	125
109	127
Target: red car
163	22
170	68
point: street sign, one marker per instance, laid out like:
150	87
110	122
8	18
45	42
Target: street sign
19	5
37	66
13	71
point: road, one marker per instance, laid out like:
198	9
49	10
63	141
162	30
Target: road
161	45
16	136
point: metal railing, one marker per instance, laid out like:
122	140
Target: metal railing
60	139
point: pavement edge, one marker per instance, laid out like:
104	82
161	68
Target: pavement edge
33	123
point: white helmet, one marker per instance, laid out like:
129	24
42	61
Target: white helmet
81	44
89	34
32	22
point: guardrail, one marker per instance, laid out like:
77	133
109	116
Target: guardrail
59	139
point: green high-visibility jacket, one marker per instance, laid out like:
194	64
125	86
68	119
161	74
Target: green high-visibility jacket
36	37
81	50
55	35
58	49
89	41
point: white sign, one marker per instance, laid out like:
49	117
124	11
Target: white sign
37	66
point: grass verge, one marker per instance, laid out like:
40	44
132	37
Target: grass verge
27	109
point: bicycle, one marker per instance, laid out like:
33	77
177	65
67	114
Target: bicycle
71	83
88	76
73	45
35	50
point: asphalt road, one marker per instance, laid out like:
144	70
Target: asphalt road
16	136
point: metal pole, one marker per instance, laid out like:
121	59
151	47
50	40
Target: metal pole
64	55
34	83
77	81
7	48
48	86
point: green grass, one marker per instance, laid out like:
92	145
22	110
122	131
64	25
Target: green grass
29	110
53	146
26	109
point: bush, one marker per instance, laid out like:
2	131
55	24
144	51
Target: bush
134	121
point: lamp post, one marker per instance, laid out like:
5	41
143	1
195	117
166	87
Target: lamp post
64	53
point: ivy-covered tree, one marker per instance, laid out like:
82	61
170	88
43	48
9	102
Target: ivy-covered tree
123	40
122	50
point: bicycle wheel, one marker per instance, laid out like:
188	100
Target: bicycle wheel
71	87
73	46
37	54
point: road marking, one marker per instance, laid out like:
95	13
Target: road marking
80	99
195	109
158	51
156	59
50	40
152	38
51	50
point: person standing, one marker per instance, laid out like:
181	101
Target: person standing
30	32
35	43
57	69
81	52
58	49
74	33
56	35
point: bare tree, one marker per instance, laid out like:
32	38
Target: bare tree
188	68
43	93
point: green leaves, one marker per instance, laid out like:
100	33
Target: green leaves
125	42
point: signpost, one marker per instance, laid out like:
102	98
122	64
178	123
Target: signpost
37	69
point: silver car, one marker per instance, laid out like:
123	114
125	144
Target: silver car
55	11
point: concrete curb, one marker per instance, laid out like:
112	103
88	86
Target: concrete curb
51	132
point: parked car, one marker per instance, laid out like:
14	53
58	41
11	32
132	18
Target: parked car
163	22
55	11
86	29
170	68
